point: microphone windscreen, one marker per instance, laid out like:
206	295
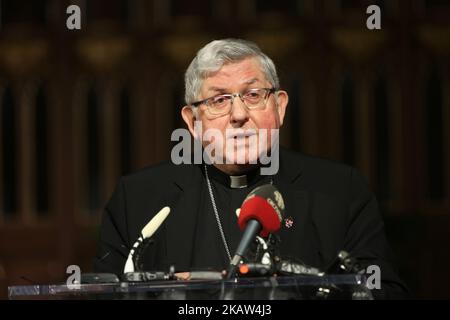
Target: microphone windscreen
259	209
154	224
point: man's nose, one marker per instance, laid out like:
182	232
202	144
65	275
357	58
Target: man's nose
239	112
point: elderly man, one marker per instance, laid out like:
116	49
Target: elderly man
231	85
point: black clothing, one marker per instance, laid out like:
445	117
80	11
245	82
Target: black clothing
329	203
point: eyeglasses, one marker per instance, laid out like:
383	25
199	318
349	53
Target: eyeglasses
221	104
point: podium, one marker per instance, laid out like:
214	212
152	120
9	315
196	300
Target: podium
348	287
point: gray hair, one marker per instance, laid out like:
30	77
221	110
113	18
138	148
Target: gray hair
217	53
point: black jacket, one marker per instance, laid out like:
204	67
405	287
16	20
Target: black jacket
330	203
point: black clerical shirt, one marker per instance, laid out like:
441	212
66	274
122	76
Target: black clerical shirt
209	248
328	206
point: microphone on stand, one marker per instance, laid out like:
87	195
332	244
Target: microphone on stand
261	213
146	233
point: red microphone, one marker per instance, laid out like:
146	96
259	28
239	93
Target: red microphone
261	213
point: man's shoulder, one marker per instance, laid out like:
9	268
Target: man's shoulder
314	164
323	175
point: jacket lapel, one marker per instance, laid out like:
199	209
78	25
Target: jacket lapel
184	204
298	234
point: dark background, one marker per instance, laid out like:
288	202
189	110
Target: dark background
78	109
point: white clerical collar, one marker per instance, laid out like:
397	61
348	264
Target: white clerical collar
238	182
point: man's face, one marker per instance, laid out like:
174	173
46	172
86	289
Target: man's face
239	77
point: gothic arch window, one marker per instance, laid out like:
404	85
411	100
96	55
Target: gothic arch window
178	103
289	7
189	8
25	11
382	137
125	131
348	118
8	153
434	133
93	150
112	10
42	151
294	110
436	4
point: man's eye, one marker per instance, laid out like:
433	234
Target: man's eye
218	101
253	95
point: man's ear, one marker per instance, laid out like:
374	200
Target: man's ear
282	100
189	118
